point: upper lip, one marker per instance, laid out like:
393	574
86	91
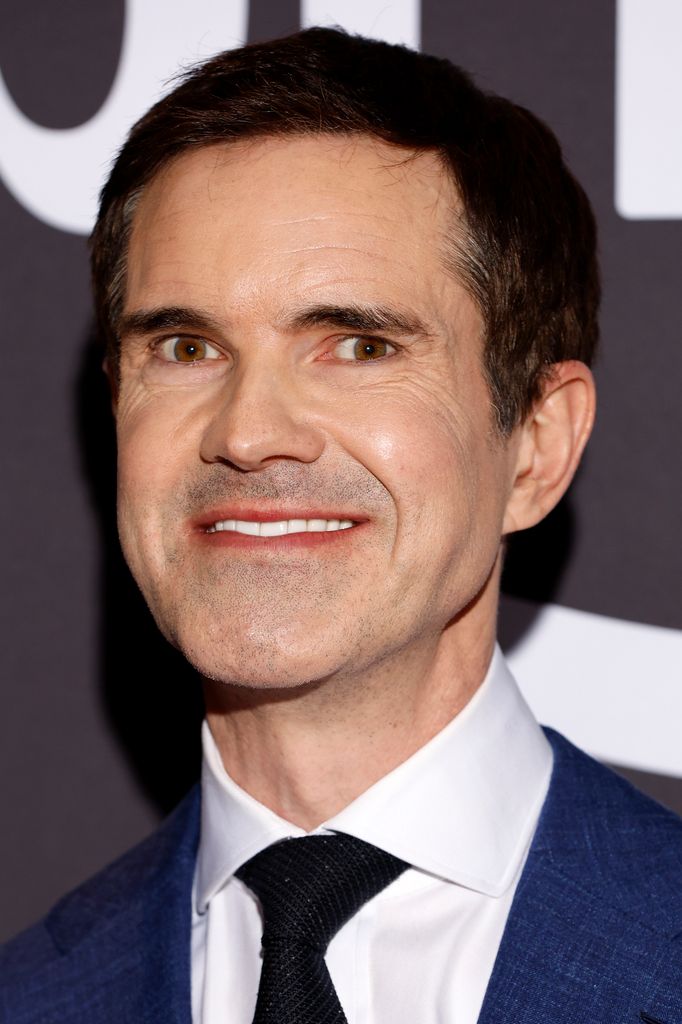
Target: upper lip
252	513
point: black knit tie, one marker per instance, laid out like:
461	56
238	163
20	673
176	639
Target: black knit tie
307	889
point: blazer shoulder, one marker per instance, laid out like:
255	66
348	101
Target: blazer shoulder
610	839
167	854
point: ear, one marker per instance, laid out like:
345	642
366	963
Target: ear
550	443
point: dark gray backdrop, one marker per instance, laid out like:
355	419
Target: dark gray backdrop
99	731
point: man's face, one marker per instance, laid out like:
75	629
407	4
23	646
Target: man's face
294	349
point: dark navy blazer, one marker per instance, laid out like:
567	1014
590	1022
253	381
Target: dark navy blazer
594	933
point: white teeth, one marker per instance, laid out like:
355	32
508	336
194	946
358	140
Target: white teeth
245	526
273	529
277	529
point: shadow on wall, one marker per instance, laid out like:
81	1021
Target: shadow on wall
533	567
151	696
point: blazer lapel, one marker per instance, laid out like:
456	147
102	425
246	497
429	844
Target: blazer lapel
577	946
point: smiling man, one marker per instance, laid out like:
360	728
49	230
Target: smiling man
333	489
350	303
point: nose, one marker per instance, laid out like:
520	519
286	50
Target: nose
260	418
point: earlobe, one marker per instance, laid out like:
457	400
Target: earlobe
551	443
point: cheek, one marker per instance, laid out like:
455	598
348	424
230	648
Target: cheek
423	450
154	441
154	458
438	461
141	471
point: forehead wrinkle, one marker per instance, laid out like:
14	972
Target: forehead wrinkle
329	236
334	248
404	211
390	248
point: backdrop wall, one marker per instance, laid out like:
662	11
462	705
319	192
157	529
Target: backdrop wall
592	619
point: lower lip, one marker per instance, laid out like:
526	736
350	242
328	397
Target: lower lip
285	542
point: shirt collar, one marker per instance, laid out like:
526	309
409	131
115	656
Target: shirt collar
463	807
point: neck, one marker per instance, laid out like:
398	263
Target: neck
307	752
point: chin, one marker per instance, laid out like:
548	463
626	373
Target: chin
260	673
262	663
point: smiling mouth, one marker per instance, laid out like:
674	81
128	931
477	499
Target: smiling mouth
279	528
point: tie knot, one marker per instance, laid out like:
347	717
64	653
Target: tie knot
309	887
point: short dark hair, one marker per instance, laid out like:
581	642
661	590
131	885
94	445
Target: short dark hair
527	251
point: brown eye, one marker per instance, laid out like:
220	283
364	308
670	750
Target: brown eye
189	350
186	350
370	349
364	350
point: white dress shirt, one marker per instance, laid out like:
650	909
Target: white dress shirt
462	811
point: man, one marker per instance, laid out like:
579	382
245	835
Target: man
350	303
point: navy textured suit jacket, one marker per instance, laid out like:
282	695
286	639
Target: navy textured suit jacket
594	933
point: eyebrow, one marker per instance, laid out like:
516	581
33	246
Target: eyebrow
166	318
363	318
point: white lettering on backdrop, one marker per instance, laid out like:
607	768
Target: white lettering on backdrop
57	173
396	22
648	100
615	687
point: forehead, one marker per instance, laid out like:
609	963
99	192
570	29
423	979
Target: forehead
304	213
